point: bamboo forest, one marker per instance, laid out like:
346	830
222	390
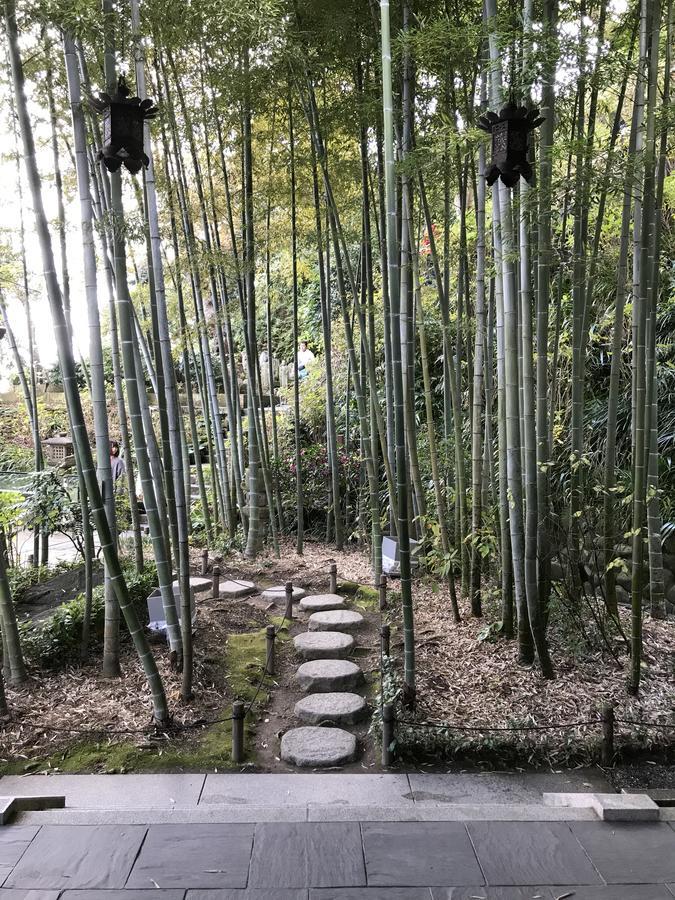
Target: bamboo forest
337	383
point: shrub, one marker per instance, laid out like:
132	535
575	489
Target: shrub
56	642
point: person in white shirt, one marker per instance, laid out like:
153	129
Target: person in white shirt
305	359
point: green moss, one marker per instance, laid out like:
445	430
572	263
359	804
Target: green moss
209	749
365	595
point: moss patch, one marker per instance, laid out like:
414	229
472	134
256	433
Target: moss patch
365	595
209	749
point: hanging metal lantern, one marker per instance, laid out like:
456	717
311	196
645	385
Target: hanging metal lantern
123	119
510	132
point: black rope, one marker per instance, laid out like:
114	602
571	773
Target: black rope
449	727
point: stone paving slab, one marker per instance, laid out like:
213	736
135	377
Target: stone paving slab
501	787
629	854
11	894
326	675
323	644
313	746
231	590
153	894
493	893
303	854
321	602
347	620
339	708
277	594
250	894
111	791
298	790
402	854
14	841
521	853
201	586
370	893
612	892
200	856
73	856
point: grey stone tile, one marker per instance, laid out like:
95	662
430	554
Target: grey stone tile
303	854
112	791
10	894
75	856
615	892
500	787
14	840
193	856
371	893
419	853
4	872
250	894
629	854
153	894
493	893
300	789
522	853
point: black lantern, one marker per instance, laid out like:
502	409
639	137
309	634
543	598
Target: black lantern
510	132
123	119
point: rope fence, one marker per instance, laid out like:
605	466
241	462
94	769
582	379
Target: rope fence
605	716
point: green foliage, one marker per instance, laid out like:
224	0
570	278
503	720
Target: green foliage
56	642
23	577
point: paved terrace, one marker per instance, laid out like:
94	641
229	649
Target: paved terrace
315	837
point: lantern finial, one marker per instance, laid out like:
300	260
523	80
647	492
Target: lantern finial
510	132
123	119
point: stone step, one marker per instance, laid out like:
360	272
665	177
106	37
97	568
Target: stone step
313	746
324	644
335	708
324	675
346	620
201	586
322	602
234	588
277	594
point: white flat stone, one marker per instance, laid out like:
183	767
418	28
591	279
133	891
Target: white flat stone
322	602
625	808
336	708
231	589
278	594
335	620
312	746
323	675
324	644
198	584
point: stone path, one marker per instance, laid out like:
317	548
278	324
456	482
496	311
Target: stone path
328	837
330	680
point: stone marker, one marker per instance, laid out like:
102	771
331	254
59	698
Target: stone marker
230	590
322	675
339	708
311	746
278	594
321	602
335	620
324	644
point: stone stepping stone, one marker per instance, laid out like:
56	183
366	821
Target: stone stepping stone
338	708
200	586
230	590
278	594
335	620
324	675
311	746
322	602
324	644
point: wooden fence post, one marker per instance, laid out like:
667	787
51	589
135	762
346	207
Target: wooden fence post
270	636
205	561
289	601
332	589
388	730
383	592
215	583
607	718
238	718
385	640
